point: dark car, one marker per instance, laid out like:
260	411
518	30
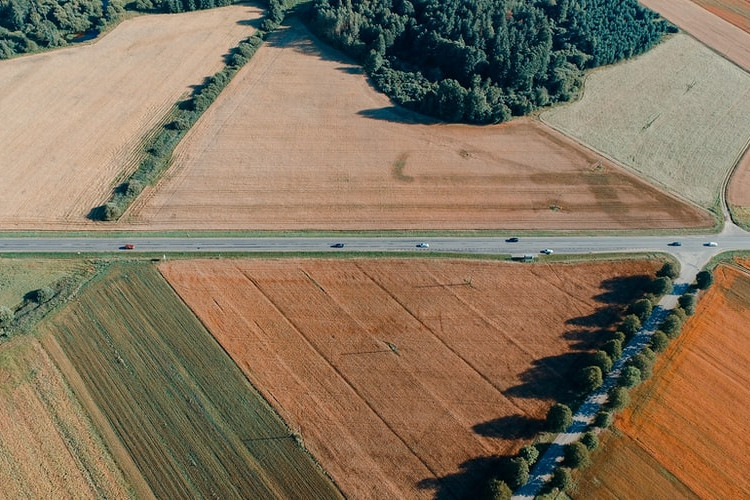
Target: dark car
675	244
512	240
337	245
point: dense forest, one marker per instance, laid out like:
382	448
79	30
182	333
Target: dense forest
483	61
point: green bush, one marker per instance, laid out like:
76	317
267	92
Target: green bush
602	360
590	379
515	472
613	348
662	286
603	420
671	326
561	479
559	418
6	316
44	294
669	270
659	341
590	440
687	302
630	377
529	453
618	398
577	455
704	280
642	308
630	325
498	490
111	211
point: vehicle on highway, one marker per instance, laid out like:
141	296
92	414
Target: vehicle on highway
711	244
423	245
547	251
512	240
128	246
675	244
337	245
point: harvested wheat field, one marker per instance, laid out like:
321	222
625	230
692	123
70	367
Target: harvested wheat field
185	414
299	139
679	115
736	12
73	119
682	416
712	30
50	449
405	376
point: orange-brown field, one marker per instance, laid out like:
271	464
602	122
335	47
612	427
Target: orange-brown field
299	139
404	376
738	194
73	119
736	12
691	417
49	447
708	28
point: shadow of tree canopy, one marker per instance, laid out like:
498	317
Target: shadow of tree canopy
510	427
467	483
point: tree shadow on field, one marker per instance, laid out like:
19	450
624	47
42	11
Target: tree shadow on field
549	378
510	427
466	484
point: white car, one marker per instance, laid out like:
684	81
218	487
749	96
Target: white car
712	244
547	251
423	245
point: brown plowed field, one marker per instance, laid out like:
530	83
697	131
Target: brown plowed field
736	12
299	139
404	376
49	447
73	119
708	28
692	416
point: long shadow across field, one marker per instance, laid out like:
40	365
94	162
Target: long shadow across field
548	379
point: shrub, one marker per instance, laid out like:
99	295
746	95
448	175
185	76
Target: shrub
661	286
630	325
668	270
577	455
671	326
529	453
630	377
680	313
642	308
590	440
687	302
515	472
603	419
602	360
618	335
559	418
613	348
618	398
561	479
498	490
6	316
643	364
704	280
111	211
659	341
133	188
44	294
590	378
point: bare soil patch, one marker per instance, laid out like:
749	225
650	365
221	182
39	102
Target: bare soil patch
299	139
690	416
712	30
679	114
72	119
405	377
50	448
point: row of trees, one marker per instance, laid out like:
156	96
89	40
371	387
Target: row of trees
483	61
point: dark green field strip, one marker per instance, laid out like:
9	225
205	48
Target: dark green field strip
185	412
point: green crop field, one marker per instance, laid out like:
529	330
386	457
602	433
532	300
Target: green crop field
679	115
184	412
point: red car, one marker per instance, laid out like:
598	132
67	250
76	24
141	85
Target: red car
128	246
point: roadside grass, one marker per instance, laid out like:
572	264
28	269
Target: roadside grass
678	115
188	417
20	276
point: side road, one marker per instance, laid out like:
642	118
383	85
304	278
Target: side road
546	464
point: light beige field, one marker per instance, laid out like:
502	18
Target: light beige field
50	448
405	377
710	29
679	114
299	139
72	119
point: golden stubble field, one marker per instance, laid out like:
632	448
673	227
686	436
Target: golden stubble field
405	376
300	139
679	114
73	119
691	417
50	448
